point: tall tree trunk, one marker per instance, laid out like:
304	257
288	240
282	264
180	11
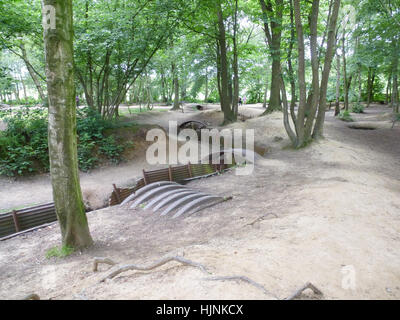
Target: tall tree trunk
332	22
370	85
23	87
206	93
62	125
32	73
176	87
273	32
265	93
290	64
163	91
17	91
315	70
223	66
345	87
337	103
235	67
359	84
395	90
389	84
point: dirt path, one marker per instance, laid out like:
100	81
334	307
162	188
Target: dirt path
329	214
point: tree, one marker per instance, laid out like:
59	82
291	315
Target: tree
272	17
58	40
306	126
19	29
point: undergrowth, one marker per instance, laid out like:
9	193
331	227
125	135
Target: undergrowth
24	146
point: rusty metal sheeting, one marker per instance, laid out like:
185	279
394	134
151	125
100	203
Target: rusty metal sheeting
162	196
195	203
146	188
171	198
27	218
173	174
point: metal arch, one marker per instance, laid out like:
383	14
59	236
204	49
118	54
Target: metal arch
177	203
153	192
172	197
194	203
201	125
205	206
165	195
146	188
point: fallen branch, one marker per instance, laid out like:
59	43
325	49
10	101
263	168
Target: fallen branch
245	279
298	292
159	263
102	260
261	218
32	296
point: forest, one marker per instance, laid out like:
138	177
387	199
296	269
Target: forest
86	85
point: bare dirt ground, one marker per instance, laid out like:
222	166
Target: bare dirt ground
317	214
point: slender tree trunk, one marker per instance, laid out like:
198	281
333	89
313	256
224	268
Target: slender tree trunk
389	83
273	32
337	103
206	93
345	86
32	73
176	88
290	64
332	22
62	126
23	87
17	91
235	67
370	85
223	66
359	84
315	71
395	90
265	93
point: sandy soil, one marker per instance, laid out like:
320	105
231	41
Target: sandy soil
306	215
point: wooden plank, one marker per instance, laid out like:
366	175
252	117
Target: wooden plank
16	223
116	192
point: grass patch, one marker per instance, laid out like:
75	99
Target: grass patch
357	108
57	252
126	112
345	116
18	208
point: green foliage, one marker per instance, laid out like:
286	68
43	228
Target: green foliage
357	108
57	252
24	148
345	116
92	142
111	149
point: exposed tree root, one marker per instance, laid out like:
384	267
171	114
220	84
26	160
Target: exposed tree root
184	261
156	264
102	260
245	279
299	291
32	296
